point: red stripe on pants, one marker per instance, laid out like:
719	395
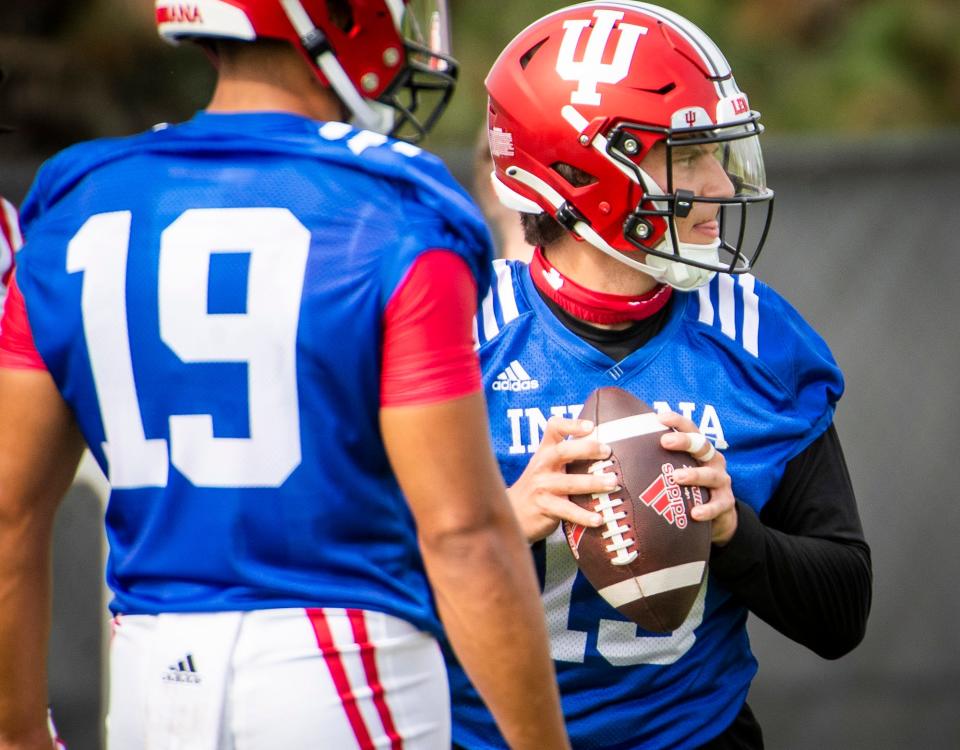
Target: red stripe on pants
331	655
368	657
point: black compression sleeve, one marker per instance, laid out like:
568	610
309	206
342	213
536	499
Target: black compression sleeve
803	565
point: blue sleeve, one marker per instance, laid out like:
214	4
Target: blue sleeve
434	212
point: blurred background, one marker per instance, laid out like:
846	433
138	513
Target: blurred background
861	100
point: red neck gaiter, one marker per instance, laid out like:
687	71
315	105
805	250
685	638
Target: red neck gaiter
594	307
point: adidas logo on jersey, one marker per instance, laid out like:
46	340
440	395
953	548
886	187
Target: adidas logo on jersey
183	671
515	378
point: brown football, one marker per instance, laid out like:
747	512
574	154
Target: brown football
649	558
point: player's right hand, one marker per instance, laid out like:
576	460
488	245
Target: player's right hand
540	497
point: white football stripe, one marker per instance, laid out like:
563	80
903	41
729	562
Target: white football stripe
706	306
628	427
728	309
508	301
490	326
751	315
651	584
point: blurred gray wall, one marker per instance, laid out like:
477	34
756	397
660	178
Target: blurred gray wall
866	243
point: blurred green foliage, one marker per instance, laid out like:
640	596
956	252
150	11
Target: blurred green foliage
850	66
84	68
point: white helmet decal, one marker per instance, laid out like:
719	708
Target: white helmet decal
591	70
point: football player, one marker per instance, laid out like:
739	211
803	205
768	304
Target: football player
617	128
259	323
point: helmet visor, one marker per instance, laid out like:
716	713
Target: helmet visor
743	162
735	149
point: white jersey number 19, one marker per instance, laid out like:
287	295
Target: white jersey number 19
263	337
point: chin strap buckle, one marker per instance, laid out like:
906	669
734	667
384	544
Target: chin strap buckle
568	216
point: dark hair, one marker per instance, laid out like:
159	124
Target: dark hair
542	230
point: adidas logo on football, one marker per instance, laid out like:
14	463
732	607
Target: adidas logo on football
516	379
183	671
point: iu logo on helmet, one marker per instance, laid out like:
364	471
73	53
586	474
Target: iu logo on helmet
591	70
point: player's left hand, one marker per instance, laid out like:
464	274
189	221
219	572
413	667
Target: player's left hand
721	509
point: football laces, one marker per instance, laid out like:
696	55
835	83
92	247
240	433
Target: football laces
622	548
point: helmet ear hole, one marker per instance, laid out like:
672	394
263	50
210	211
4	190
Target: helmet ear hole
341	14
573	176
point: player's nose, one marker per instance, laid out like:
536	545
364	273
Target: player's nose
717	182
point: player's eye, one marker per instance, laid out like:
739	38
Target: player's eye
687	156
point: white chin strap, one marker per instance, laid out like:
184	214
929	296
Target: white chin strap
683	276
367	114
680	276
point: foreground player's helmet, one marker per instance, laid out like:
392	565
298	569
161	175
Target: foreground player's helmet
596	87
387	60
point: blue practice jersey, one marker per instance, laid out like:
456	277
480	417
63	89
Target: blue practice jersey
738	360
209	299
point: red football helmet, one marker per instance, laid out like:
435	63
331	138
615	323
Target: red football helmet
383	58
597	87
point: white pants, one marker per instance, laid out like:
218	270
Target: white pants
280	679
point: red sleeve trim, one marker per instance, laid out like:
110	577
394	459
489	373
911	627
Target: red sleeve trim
17	350
428	354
